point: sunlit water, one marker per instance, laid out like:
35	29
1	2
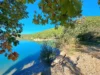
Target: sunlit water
25	49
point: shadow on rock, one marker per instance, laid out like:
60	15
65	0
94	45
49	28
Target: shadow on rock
92	50
62	66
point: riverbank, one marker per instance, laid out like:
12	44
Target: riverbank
38	39
43	39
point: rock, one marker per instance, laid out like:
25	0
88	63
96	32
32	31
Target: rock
86	65
62	53
89	65
63	66
60	70
57	60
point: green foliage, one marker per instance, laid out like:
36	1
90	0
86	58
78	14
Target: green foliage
99	2
11	12
47	54
89	38
82	25
46	34
50	33
26	1
58	11
88	31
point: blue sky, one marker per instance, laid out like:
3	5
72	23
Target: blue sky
30	27
90	8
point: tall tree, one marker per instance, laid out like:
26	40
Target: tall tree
11	12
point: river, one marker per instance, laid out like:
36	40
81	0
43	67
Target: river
27	50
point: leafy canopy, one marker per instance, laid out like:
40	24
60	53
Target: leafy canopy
57	12
10	28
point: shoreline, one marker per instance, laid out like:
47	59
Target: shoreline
38	39
43	39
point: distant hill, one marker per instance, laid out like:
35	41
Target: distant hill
50	33
83	24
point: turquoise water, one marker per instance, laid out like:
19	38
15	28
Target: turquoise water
26	49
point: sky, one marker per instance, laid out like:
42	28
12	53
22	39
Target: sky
90	8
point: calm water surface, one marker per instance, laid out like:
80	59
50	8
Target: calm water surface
25	49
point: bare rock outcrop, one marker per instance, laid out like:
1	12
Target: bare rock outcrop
77	64
89	65
62	66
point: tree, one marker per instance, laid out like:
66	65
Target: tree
57	12
11	12
47	54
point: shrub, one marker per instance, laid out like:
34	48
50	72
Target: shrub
87	37
90	37
47	54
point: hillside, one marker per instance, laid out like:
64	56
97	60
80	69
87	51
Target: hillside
82	25
50	33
